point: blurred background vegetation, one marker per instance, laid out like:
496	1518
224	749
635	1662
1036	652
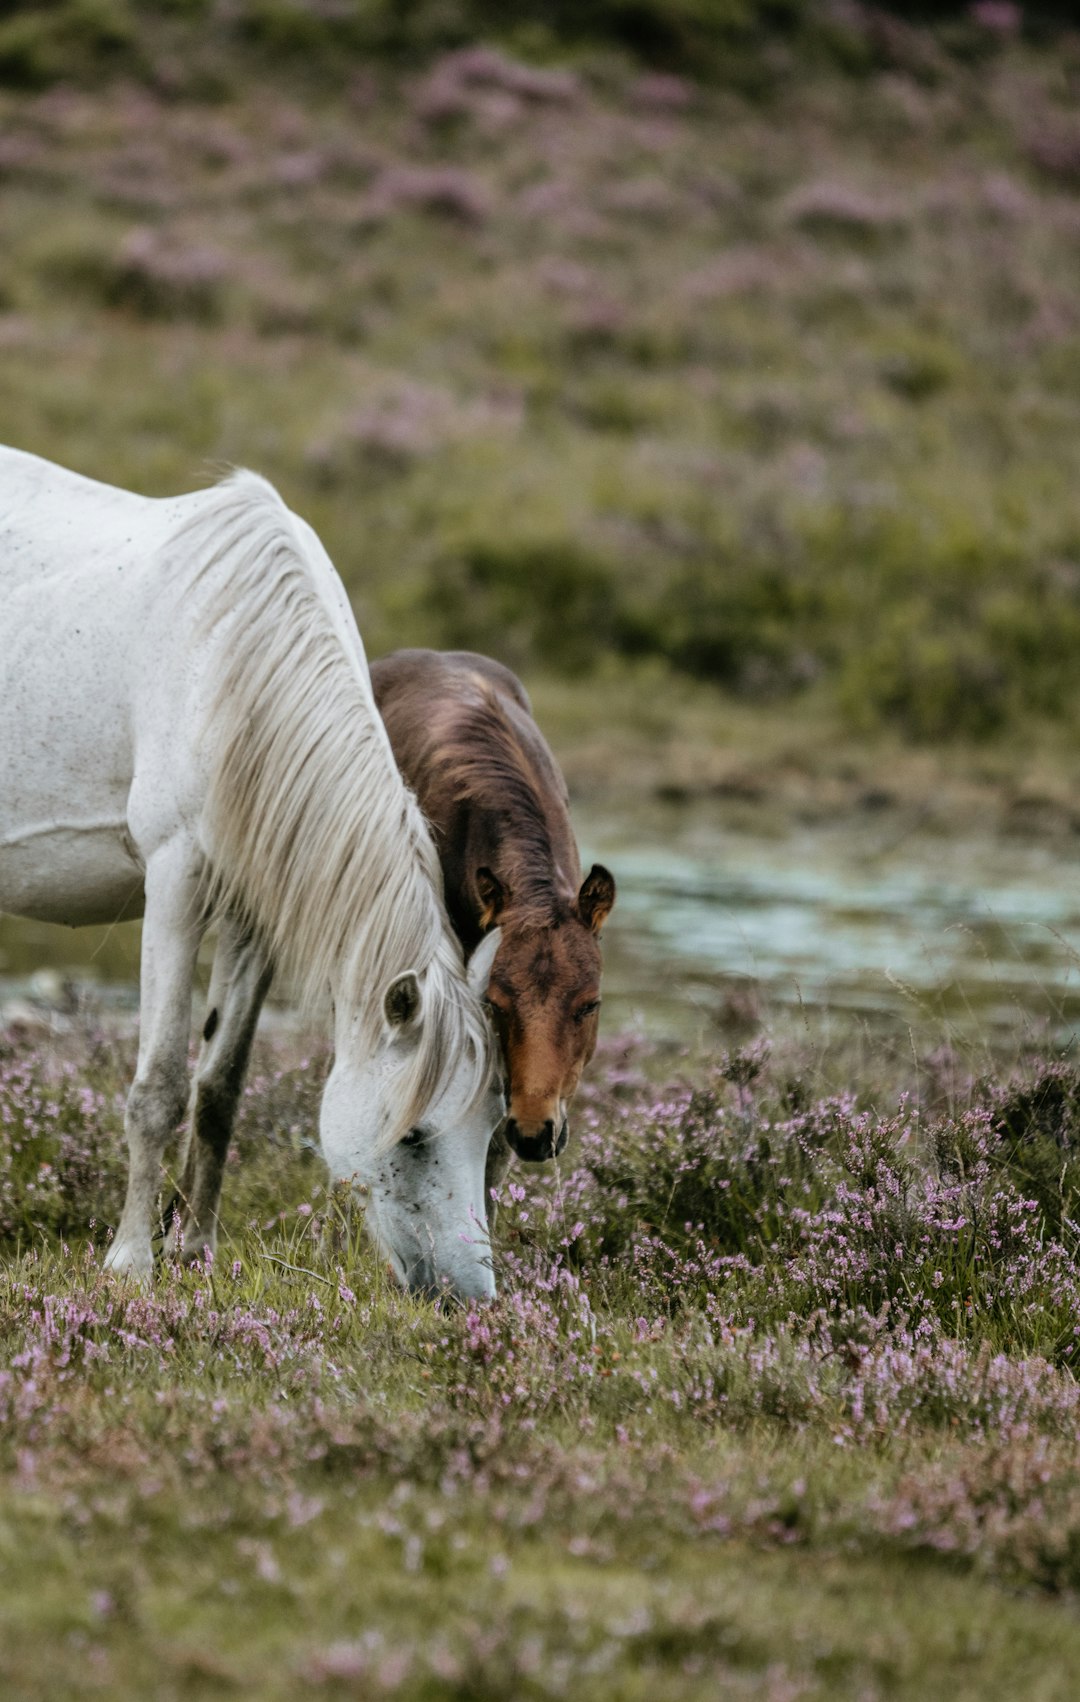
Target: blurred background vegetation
643	342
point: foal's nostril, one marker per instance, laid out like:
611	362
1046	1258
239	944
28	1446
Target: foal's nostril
534	1149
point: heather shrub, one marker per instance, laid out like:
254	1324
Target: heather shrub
62	1162
720	1197
748	625
809	445
274	1163
63	1159
741	1326
158	279
919	368
1037	1124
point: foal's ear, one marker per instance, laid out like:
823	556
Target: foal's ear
492	896
401	1002
596	897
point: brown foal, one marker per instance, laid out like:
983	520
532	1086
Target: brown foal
465	741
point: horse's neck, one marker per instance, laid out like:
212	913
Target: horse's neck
426	701
549	791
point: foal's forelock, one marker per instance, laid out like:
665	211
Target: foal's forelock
314	839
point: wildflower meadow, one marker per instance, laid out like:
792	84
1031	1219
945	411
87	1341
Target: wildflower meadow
777	1399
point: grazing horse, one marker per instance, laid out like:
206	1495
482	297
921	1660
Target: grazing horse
465	740
187	732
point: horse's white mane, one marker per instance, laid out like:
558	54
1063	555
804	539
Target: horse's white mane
315	840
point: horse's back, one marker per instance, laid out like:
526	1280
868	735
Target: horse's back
82	568
56	525
426	696
124	620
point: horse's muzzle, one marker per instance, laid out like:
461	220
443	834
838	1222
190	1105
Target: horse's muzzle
536	1148
448	1289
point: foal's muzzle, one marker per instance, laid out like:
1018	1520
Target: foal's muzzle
536	1148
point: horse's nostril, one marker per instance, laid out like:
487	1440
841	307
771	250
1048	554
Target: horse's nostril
535	1148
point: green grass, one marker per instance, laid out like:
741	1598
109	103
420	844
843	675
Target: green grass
775	393
192	1616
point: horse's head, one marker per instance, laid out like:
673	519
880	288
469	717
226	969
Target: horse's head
544	996
426	1203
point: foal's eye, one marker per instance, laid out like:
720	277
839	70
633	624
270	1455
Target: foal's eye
415	1137
584	1011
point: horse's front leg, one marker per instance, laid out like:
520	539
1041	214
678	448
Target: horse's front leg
172	928
499	1159
239	983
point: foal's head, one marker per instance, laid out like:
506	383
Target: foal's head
544	997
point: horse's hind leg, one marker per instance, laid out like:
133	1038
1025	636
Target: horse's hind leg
172	928
241	976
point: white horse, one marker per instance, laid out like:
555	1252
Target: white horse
187	732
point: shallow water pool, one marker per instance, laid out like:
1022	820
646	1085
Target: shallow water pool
715	926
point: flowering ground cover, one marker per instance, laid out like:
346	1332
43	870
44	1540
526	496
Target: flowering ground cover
777	1400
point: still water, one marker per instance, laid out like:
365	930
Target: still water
869	921
717	926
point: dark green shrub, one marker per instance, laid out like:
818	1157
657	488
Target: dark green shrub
41	43
550	601
753	44
927	684
743	625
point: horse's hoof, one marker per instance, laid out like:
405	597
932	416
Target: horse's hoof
126	1260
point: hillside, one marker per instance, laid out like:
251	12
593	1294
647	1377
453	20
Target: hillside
770	381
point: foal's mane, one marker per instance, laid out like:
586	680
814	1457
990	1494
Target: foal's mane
315	840
486	765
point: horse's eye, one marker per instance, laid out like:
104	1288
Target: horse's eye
584	1011
415	1137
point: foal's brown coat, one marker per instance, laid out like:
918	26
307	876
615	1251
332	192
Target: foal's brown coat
465	740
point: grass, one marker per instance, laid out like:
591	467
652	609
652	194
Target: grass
617	376
775	1401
